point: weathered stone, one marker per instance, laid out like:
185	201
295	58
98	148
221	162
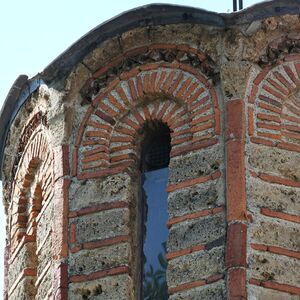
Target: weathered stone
195	164
214	291
277	233
271	267
259	293
109	288
195	266
197	197
196	232
102	225
89	261
276	161
274	196
93	192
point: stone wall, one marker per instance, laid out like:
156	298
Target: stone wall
72	180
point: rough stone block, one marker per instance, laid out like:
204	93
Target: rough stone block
88	261
112	188
102	225
25	290
109	288
25	259
279	162
275	197
273	267
260	293
196	232
278	233
198	197
214	291
195	165
195	266
45	286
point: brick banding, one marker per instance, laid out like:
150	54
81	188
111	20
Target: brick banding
100	274
98	208
101	243
190	182
199	214
276	286
119	111
276	250
280	215
194	284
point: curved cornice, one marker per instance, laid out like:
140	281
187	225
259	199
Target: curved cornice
149	15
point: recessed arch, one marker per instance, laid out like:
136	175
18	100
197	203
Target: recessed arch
274	108
175	94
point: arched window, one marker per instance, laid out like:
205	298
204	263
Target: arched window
154	166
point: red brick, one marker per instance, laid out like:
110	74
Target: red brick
184	87
236	284
73	233
288	146
190	182
132	89
99	149
269	117
278	86
236	245
270	108
195	215
106	242
282	80
182	140
273	92
217	121
95	157
195	96
188	148
276	286
122	95
175	254
269	135
129	74
268	126
278	180
259	247
290	73
100	274
214	278
186	286
140	87
98	208
167	83
202	127
161	79
252	96
280	215
261	75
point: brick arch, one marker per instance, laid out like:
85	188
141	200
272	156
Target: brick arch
31	195
274	107
35	167
178	95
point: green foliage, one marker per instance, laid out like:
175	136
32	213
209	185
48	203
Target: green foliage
155	284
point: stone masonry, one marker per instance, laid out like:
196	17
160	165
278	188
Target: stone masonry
228	88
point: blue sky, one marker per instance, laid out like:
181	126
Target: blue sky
33	33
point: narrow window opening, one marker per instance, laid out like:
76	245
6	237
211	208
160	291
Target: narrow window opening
155	160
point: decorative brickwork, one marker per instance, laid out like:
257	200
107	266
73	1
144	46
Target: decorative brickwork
176	94
226	88
31	206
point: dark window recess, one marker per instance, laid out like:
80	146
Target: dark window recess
155	159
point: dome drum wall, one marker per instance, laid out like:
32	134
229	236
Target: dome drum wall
228	98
